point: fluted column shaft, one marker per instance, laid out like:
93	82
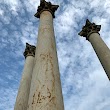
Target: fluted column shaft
91	32
24	89
46	93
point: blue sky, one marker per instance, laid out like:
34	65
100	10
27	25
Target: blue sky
84	82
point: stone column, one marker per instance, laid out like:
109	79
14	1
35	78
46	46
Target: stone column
91	32
24	89
46	92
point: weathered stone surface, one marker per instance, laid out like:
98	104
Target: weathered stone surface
30	50
91	32
102	51
46	6
45	92
24	89
89	28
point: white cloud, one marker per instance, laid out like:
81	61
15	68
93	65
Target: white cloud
107	6
12	3
85	84
1	12
7	98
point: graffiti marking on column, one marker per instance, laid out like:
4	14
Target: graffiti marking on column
44	96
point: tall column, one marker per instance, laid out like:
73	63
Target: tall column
45	92
91	32
24	89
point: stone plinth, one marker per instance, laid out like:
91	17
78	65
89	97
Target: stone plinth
24	89
45	92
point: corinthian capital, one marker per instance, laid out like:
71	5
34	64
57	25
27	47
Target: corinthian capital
29	50
46	6
89	28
